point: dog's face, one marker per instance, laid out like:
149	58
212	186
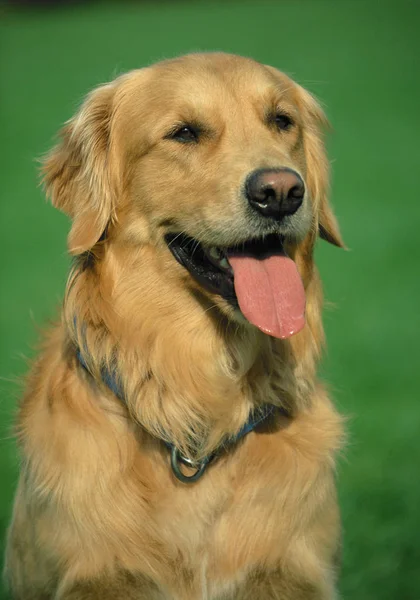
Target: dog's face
214	125
214	160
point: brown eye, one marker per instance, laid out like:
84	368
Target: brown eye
283	122
185	134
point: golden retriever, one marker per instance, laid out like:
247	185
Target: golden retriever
176	442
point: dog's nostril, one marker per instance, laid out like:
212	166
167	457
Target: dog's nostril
296	192
267	193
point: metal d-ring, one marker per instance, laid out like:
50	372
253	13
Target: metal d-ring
177	458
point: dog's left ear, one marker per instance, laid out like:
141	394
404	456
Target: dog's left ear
79	173
317	167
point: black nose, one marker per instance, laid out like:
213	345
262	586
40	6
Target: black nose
275	193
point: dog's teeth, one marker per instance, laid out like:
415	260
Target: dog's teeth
224	263
215	253
218	258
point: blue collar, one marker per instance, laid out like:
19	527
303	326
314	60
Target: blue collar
110	379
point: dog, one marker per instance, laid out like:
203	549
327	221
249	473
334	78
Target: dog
176	443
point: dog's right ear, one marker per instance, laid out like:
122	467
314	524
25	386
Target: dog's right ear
79	173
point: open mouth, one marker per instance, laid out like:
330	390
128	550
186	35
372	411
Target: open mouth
256	276
208	265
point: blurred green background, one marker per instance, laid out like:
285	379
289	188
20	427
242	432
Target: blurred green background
362	60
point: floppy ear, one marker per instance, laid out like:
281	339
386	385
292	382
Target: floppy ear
318	168
77	172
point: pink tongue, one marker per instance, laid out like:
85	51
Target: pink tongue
270	293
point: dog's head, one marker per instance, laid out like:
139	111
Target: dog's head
215	161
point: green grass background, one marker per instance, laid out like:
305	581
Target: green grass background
362	59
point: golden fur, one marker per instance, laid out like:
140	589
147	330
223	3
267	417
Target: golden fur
98	512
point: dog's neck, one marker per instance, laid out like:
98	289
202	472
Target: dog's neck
187	372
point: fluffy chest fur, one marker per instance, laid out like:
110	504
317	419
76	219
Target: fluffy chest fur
266	504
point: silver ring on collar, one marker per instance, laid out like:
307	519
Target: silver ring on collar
177	459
